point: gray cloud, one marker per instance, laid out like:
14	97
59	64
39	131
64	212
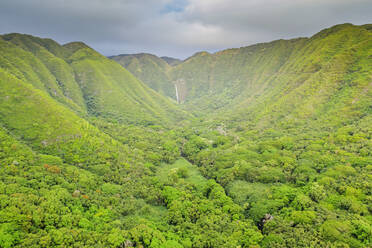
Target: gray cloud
176	27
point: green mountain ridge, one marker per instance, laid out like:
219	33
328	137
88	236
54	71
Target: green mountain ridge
150	69
112	91
235	77
278	155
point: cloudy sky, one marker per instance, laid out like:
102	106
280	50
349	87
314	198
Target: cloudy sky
176	28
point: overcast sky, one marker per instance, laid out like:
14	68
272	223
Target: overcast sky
176	28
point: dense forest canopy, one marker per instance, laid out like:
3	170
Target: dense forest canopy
270	146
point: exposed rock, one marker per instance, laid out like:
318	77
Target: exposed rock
128	243
76	193
267	218
264	220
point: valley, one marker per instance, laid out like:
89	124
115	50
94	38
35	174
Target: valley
268	145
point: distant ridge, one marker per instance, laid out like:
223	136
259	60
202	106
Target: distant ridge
237	76
151	70
171	61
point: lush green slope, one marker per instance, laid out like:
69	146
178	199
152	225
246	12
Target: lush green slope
296	145
255	74
87	157
75	176
328	81
65	183
86	81
45	75
290	140
242	76
150	69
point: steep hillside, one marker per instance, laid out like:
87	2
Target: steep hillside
242	76
328	81
239	77
84	80
150	69
31	62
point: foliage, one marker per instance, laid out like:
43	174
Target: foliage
91	157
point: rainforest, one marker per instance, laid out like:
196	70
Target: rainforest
267	145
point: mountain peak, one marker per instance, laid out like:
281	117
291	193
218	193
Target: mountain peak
201	53
75	45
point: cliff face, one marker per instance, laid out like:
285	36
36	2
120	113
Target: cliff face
181	90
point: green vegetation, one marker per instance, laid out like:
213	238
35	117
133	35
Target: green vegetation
284	72
64	72
151	70
92	157
181	170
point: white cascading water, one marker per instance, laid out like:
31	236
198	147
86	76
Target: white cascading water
178	100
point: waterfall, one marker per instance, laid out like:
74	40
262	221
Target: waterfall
178	100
